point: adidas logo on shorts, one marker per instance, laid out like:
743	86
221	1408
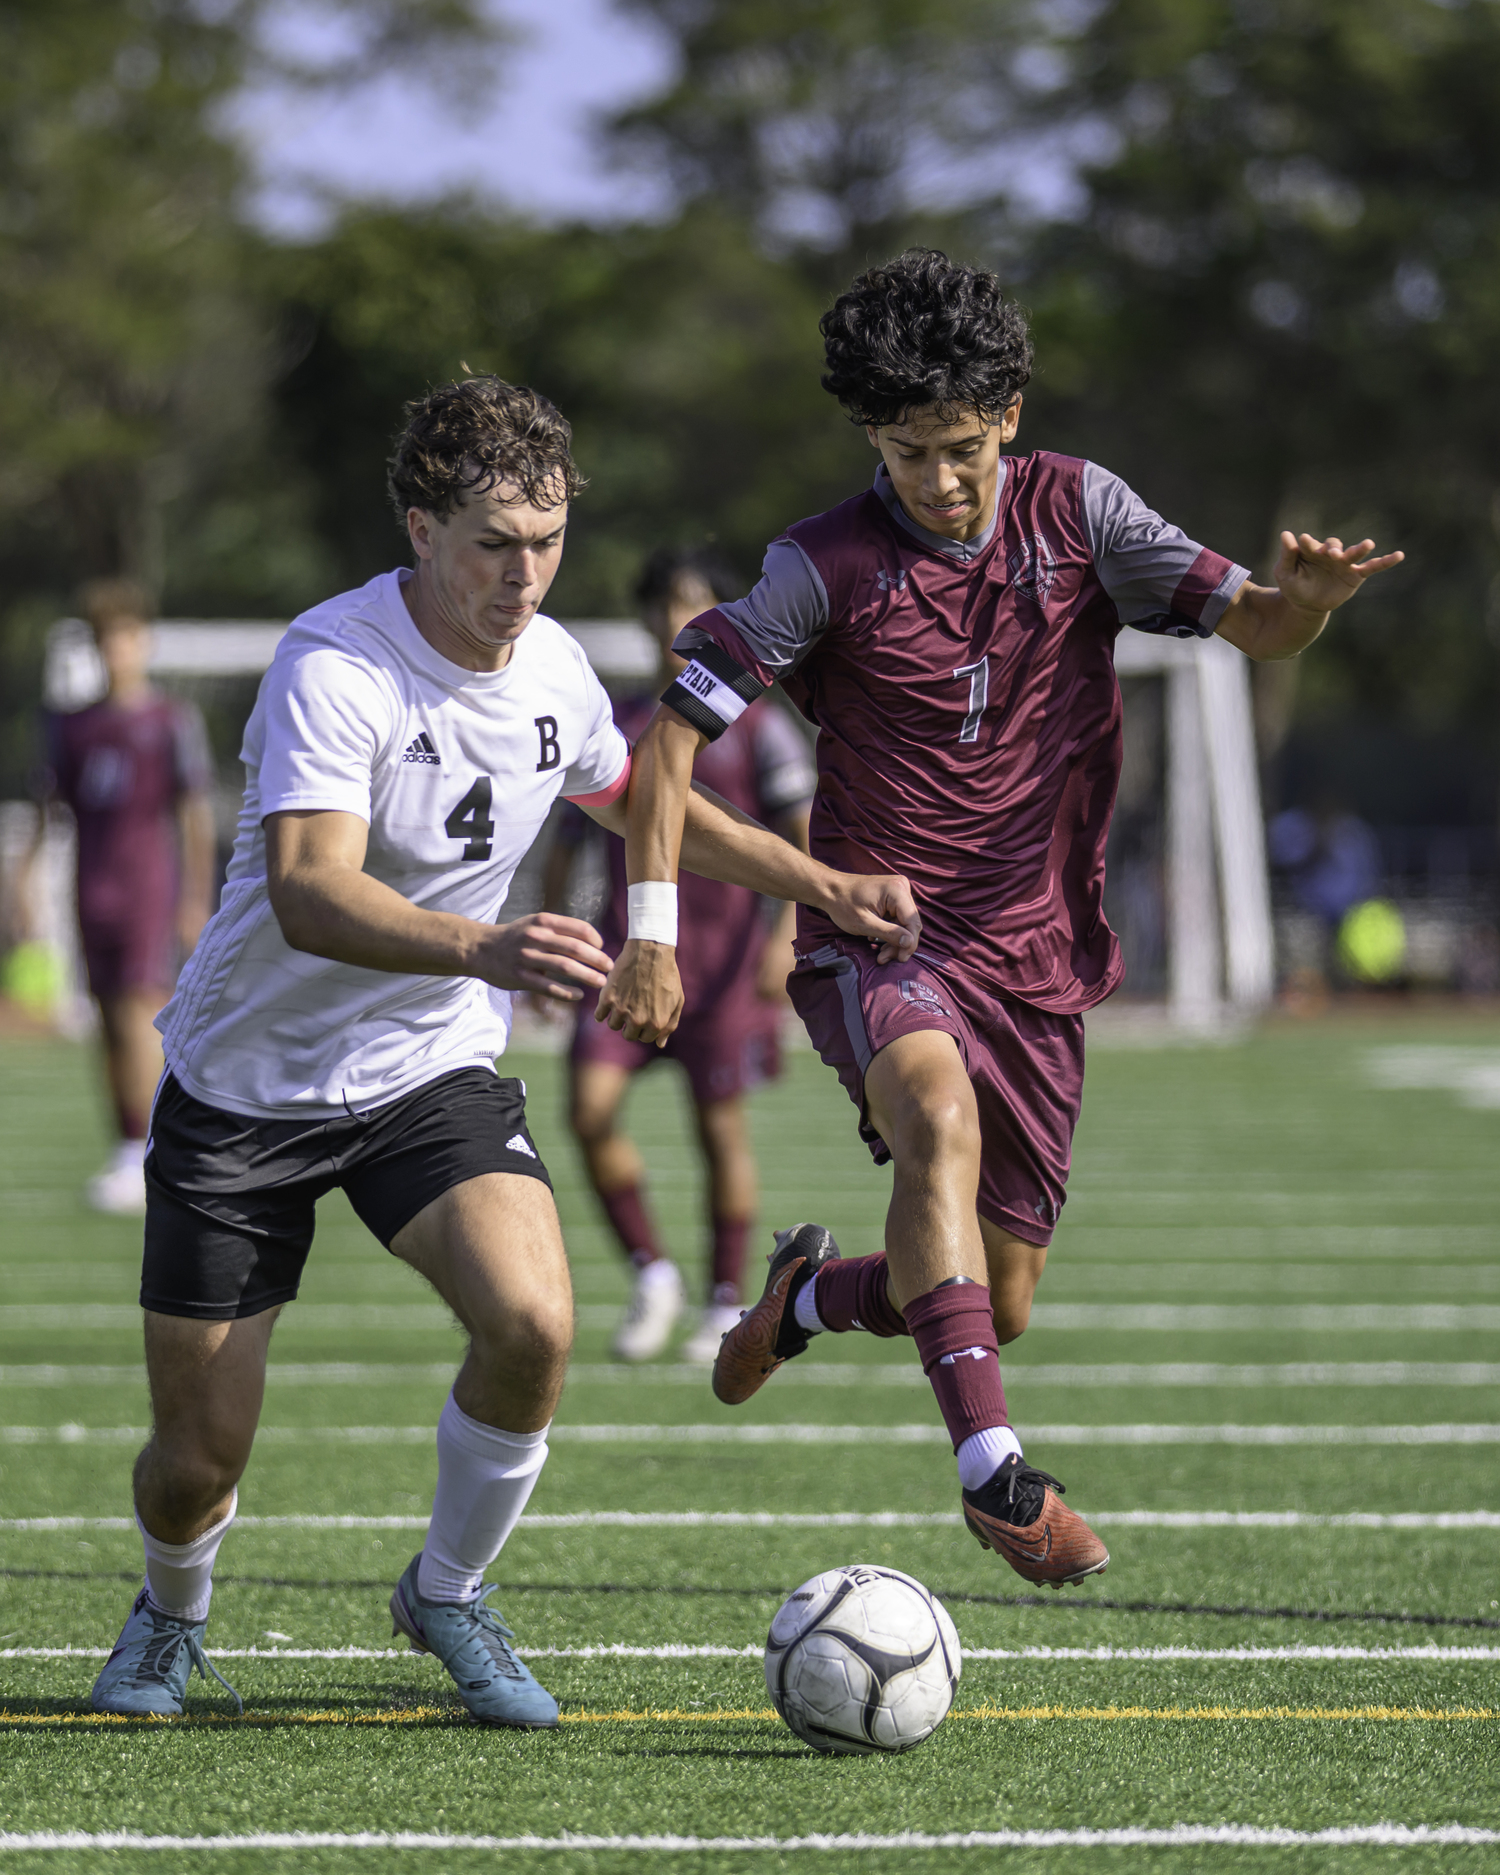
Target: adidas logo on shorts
517	1144
422	750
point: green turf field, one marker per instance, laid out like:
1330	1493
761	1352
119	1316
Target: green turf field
1266	1361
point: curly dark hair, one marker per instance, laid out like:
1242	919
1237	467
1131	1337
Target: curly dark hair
920	332
463	438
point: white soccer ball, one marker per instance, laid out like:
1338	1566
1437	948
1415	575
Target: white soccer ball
862	1659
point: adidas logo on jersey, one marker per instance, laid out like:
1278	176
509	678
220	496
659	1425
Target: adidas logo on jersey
422	750
517	1144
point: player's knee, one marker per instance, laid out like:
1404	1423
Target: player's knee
938	1121
536	1337
592	1121
190	1472
1012	1314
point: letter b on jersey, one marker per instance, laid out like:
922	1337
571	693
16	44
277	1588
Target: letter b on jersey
550	751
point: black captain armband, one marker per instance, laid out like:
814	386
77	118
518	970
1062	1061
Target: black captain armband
712	692
1172	625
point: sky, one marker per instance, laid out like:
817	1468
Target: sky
396	140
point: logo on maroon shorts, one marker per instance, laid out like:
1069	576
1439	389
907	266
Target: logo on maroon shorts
922	996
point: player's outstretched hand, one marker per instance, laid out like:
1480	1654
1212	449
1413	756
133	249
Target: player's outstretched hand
1318	575
643	997
876	906
545	953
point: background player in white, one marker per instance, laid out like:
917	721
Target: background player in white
337	1026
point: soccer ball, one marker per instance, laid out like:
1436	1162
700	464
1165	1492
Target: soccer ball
862	1659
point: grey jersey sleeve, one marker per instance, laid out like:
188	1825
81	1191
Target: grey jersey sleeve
737	651
1159	579
780	619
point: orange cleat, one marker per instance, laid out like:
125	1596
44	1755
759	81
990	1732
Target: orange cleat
1017	1515
767	1336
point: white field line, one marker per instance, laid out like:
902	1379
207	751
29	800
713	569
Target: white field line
1482	1433
674	1650
1178	1835
1123	1374
833	1520
1123	1317
406	1318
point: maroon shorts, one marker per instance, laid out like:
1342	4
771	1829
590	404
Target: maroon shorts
138	956
725	1050
1026	1067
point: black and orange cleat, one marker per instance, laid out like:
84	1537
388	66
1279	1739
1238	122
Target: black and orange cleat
768	1334
1021	1516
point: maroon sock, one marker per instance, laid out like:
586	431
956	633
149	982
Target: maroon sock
730	1237
132	1122
955	1336
852	1293
626	1211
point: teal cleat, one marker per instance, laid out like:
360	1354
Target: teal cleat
474	1644
153	1660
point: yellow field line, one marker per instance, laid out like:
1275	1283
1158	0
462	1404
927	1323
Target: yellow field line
420	1715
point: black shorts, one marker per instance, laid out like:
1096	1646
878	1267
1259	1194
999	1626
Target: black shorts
229	1200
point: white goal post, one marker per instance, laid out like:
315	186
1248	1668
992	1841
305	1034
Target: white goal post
1220	951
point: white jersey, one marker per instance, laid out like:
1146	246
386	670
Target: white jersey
454	772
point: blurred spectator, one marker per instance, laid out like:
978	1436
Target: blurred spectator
134	770
734	964
1332	858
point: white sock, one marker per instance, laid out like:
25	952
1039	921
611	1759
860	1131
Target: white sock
179	1576
130	1154
805	1308
484	1479
983	1453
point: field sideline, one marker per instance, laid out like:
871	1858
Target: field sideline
1264	1356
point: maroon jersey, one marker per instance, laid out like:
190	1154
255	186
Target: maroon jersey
122	772
760	766
966	704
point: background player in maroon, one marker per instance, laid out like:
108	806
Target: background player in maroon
734	966
951	633
134	770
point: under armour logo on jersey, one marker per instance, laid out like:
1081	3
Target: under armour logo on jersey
1033	567
517	1144
422	750
891	582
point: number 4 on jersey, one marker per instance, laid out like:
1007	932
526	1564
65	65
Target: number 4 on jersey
470	821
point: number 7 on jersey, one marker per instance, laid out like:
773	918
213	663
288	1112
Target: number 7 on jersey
979	695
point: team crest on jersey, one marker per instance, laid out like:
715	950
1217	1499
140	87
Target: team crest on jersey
891	582
1033	567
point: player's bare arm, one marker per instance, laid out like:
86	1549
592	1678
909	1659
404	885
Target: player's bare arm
777	959
643	998
327	905
1313	578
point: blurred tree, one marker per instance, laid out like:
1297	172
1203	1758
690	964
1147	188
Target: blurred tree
687	361
1281	303
826	123
133	365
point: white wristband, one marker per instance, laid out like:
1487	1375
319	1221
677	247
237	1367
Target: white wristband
652	911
